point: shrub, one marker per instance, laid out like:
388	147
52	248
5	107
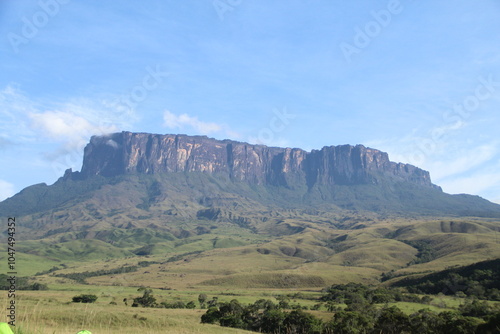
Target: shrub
147	299
84	299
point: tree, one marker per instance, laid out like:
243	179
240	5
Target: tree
264	304
231	314
345	322
425	322
455	323
392	321
202	298
213	302
301	322
492	325
272	321
147	299
283	301
475	308
211	316
316	307
39	286
191	305
178	304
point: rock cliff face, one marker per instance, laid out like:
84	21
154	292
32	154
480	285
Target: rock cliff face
126	152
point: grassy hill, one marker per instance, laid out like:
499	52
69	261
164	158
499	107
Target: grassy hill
198	231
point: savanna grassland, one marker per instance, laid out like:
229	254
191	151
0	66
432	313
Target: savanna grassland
237	264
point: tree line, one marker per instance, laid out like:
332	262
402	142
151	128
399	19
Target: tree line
265	316
480	280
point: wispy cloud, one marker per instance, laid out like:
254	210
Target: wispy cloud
460	165
476	183
466	160
14	108
68	122
62	126
173	121
184	121
6	190
71	129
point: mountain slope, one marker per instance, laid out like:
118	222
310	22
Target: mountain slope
291	212
338	176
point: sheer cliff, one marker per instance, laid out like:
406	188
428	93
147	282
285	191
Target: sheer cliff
175	178
128	153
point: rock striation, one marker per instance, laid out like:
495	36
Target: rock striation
127	153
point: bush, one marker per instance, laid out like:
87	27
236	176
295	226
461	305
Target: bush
475	308
299	321
392	321
211	316
350	322
147	299
84	299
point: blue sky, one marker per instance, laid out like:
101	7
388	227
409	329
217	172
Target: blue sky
419	80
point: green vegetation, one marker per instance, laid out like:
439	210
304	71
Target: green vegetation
148	300
84	299
268	280
481	280
361	315
355	293
266	317
80	277
20	283
426	252
197	240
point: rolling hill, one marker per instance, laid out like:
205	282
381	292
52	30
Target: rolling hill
225	213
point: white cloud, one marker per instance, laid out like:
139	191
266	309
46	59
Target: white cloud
474	184
174	121
62	127
112	143
70	123
458	166
73	130
464	161
269	141
6	190
14	108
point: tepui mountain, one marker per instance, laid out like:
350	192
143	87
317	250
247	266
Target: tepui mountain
141	179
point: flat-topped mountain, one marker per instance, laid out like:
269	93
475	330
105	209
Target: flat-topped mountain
181	198
128	153
151	175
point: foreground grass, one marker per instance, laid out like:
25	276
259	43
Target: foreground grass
41	317
41	312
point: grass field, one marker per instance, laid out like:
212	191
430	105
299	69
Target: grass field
44	312
234	264
49	312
